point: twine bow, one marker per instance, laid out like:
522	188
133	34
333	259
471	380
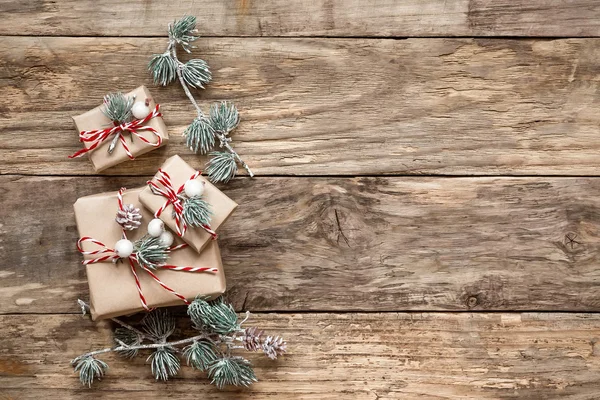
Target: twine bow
164	187
97	136
108	254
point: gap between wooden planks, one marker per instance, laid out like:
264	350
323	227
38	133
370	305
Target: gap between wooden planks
344	244
333	356
352	18
325	106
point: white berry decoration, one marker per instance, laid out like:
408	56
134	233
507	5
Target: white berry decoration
124	248
193	188
141	109
156	227
166	239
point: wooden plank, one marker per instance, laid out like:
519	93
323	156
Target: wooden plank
306	17
349	356
325	106
373	244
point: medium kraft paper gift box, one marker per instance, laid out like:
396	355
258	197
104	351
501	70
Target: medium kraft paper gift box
95	119
221	205
113	290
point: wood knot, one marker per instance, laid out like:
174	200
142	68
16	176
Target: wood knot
571	240
472	301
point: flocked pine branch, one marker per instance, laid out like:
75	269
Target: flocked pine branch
219	334
205	131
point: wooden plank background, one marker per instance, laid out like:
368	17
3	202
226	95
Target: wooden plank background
425	218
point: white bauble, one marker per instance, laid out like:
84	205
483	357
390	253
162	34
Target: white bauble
156	227
193	188
124	248
166	238
140	110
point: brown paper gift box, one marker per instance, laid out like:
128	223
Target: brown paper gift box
112	286
221	205
95	119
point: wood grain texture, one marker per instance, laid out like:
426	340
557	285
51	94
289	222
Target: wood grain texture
349	356
326	106
373	244
353	18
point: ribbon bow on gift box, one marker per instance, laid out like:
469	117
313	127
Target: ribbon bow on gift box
164	187
97	136
137	259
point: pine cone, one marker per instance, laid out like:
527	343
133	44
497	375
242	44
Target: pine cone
129	217
274	346
252	339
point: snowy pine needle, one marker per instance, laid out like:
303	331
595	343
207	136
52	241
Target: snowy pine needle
196	73
89	369
164	363
200	354
117	107
196	212
163	68
150	252
159	324
184	31
216	316
129	338
200	135
224	117
221	167
235	371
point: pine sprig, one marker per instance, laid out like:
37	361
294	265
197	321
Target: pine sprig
221	167
202	134
164	363
89	368
235	371
196	212
151	253
216	316
163	68
117	107
201	354
196	73
220	333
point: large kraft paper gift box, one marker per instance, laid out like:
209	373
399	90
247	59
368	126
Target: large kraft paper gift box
95	119
113	290
221	205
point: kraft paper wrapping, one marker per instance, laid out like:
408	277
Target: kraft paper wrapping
221	205
95	119
112	286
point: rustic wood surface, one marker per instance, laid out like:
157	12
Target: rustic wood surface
371	244
476	281
326	106
347	18
333	356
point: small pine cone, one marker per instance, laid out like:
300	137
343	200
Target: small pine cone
274	346
252	339
129	217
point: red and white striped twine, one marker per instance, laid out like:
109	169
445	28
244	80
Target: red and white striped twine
97	136
109	254
164	187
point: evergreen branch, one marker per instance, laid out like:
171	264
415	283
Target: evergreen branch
117	107
163	68
209	350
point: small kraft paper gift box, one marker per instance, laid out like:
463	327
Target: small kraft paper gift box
135	127
119	279
187	202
